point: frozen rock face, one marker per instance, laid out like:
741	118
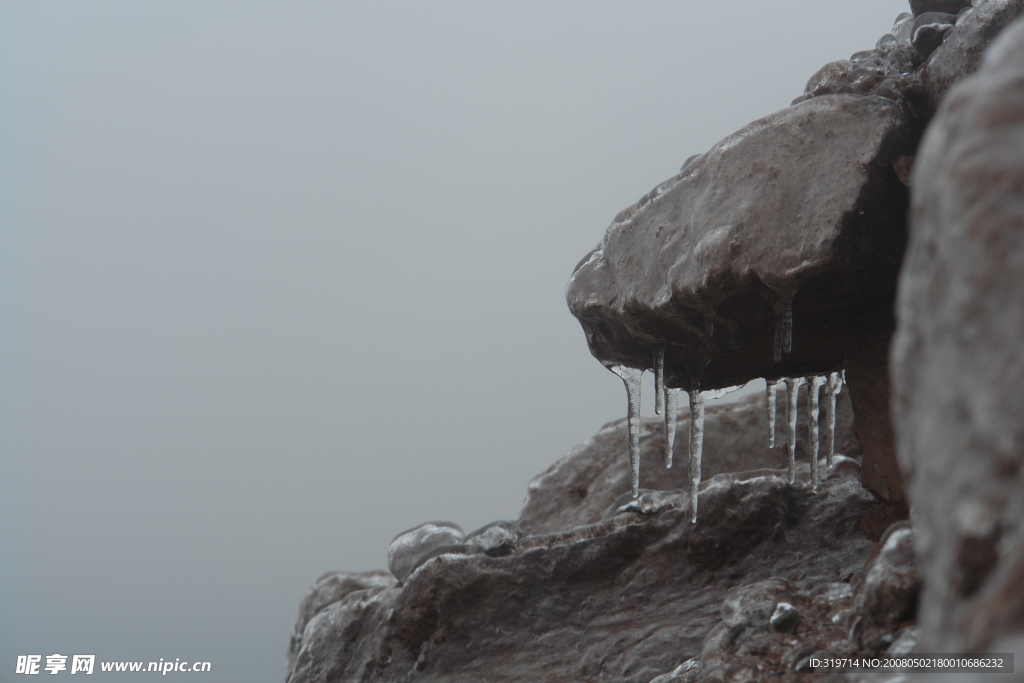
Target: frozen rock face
624	600
958	357
409	546
775	254
764	257
582	486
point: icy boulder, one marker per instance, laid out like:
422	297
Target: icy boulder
760	257
409	546
958	357
775	254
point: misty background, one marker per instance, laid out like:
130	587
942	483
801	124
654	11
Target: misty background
280	280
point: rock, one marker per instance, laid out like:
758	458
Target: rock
958	362
331	640
785	618
772	224
891	582
407	547
774	213
684	673
626	599
582	486
929	30
327	590
752	605
496	538
961	51
919	7
867	374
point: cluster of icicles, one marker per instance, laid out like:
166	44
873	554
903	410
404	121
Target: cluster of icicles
665	403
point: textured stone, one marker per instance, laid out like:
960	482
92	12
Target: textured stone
958	360
327	590
929	30
892	582
801	205
961	51
867	377
496	538
627	599
582	486
410	545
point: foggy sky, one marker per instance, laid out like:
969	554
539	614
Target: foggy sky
278	281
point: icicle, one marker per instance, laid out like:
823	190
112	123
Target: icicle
659	379
792	393
631	378
709	325
813	388
670	423
787	326
771	398
696	447
835	385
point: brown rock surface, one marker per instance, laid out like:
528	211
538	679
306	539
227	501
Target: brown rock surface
802	205
958	356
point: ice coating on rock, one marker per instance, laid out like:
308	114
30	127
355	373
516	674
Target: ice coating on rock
631	378
696	447
832	389
659	379
709	325
671	396
814	385
771	399
719	393
792	393
408	546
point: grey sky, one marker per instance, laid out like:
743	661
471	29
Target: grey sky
278	281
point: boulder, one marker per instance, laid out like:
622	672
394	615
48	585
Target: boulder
798	216
409	546
892	581
327	590
958	360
